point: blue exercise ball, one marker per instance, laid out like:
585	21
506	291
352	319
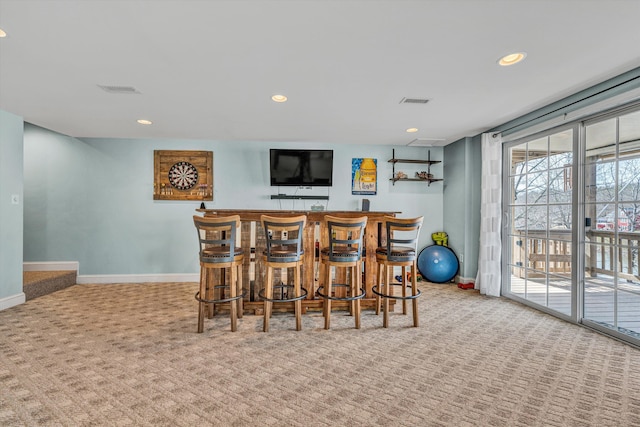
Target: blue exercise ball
438	264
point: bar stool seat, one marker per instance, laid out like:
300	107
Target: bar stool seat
344	251
283	250
217	239
399	251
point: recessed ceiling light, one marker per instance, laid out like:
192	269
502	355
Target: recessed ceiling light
279	98
2	33
144	121
412	130
512	58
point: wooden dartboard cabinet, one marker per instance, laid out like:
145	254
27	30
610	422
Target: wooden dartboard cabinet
182	175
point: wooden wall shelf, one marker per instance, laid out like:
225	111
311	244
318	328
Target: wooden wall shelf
429	180
293	197
427	162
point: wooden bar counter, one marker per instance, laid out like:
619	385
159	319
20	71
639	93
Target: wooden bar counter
315	236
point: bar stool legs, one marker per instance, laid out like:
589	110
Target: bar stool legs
283	236
326	305
267	295
206	305
344	251
298	302
217	250
203	308
400	251
354	291
384	292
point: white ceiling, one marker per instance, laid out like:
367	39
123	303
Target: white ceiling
207	69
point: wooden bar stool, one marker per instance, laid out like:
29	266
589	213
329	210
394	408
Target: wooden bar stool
344	251
284	250
400	251
217	240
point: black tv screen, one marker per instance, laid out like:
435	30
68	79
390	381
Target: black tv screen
301	167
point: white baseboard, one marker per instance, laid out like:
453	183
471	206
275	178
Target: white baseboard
108	278
136	278
13	300
50	266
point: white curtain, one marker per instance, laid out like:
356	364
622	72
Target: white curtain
489	277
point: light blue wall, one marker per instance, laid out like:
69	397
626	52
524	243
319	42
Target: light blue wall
455	198
91	200
11	170
474	180
462	202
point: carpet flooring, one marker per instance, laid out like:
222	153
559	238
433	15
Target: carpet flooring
129	355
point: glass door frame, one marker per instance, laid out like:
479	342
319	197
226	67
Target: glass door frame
577	232
601	117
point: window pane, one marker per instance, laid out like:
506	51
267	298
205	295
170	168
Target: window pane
628	217
601	138
537	254
629	179
537	187
518	155
560	218
560	293
605	182
536	288
518	218
560	258
518	189
538	155
629	133
628	256
632	212
517	251
561	149
599	259
537	220
517	282
628	303
560	183
599	301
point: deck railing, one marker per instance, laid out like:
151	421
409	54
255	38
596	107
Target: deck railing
550	252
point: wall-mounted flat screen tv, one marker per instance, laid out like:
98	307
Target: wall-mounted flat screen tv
301	167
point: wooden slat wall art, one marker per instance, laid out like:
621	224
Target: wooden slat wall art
202	189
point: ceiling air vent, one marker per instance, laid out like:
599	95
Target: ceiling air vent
414	101
121	90
426	142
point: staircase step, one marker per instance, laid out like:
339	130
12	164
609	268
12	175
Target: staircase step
38	283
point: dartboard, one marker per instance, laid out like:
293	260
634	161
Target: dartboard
183	175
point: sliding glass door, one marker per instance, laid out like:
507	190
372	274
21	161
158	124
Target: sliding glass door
612	210
539	214
571	238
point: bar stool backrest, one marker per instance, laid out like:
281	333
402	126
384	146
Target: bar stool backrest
345	238
402	238
217	238
283	237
